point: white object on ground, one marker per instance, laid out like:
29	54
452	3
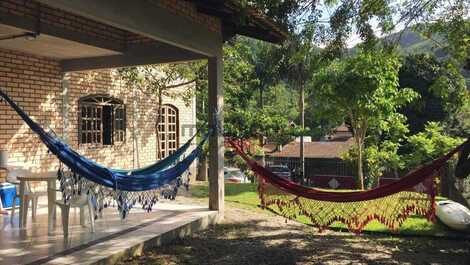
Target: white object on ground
453	214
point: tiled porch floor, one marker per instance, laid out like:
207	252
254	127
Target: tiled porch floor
34	245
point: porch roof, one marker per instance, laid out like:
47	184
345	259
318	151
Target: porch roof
254	24
89	34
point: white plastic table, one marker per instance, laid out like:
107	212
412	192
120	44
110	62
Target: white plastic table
50	177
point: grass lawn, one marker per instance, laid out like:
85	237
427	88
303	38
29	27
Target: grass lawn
245	196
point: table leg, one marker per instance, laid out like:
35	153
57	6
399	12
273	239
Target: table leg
51	207
22	218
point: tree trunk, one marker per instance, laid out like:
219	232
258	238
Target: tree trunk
360	172
261	105
159	110
202	168
135	143
359	129
302	125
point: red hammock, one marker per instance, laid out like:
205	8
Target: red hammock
390	204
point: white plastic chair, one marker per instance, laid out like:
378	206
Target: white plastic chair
30	195
77	201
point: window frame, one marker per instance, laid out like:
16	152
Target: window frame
98	102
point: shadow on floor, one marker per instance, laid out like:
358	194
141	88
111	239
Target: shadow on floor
269	240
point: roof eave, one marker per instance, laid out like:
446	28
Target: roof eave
256	26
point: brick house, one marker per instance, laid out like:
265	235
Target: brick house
71	104
57	60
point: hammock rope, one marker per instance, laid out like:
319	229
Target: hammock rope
391	204
79	175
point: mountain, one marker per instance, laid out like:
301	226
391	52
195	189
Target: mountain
410	42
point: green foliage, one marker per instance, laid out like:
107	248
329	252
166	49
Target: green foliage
443	93
250	66
301	57
345	18
430	144
462	120
382	158
159	80
245	123
364	87
364	90
379	158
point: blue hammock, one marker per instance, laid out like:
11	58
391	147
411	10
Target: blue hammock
160	164
145	179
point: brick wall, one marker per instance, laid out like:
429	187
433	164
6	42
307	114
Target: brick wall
35	84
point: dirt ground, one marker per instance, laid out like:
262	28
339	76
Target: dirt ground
249	236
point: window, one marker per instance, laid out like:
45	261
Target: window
102	120
168	131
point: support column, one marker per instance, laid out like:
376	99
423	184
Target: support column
216	140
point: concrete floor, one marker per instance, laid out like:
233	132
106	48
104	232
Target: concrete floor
112	239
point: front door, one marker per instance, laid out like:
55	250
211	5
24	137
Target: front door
168	131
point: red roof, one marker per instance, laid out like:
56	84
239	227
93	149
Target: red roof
269	148
320	149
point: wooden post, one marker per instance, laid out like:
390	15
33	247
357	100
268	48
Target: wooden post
216	140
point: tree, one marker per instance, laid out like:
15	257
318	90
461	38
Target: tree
430	144
159	81
265	58
443	93
368	18
302	57
247	69
364	90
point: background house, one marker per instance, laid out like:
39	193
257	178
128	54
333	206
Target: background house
324	166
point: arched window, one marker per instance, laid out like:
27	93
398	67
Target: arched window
102	120
168	131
